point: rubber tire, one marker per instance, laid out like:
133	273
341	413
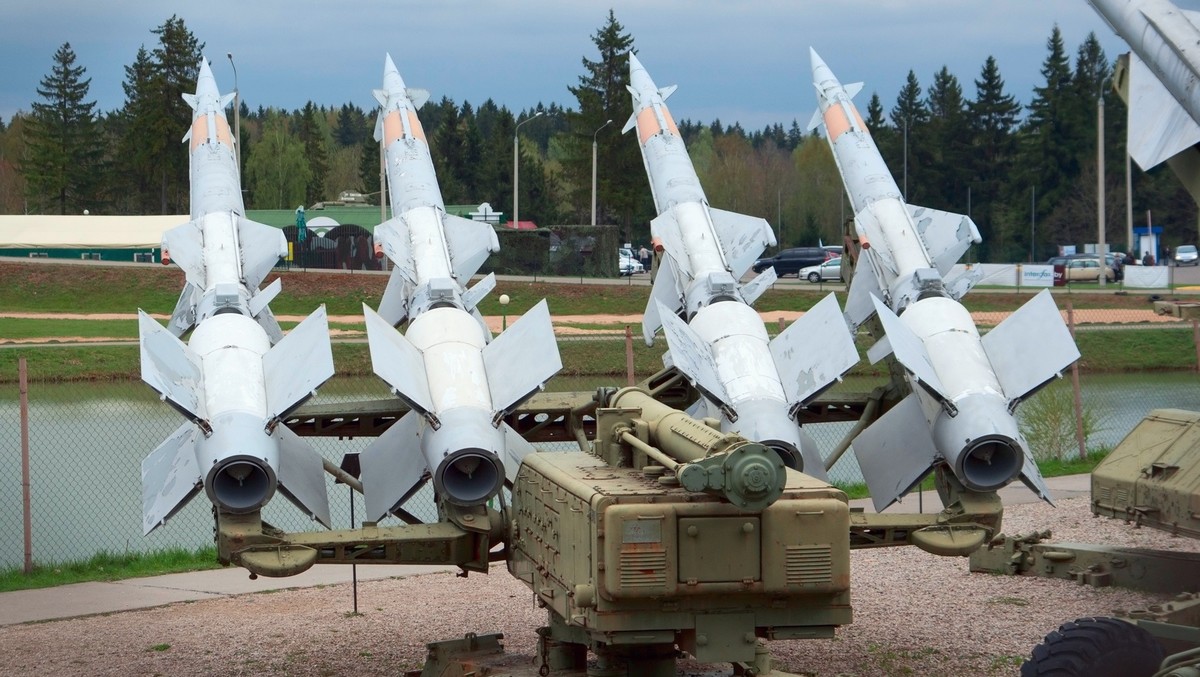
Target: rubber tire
814	277
1095	647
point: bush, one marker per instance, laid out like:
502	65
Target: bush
1048	422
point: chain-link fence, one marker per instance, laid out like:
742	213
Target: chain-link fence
87	442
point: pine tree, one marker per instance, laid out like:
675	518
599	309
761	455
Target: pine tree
949	138
910	117
993	117
1048	157
312	135
177	64
62	140
368	170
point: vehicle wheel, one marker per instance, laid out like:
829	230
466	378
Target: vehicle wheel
1096	647
814	277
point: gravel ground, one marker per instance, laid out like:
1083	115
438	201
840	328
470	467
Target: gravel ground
914	613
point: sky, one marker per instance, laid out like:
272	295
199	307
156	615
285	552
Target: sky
742	61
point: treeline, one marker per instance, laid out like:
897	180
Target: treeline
1026	174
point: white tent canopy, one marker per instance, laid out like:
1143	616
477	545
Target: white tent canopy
85	232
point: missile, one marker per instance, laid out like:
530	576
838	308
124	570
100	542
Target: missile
964	387
238	375
457	381
1164	100
754	385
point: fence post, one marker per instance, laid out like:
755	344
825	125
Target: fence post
1196	341
23	380
1075	387
629	355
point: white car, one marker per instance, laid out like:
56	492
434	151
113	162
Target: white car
630	265
1185	255
830	270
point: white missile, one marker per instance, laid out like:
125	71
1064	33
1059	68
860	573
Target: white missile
1164	76
753	384
458	382
237	376
964	387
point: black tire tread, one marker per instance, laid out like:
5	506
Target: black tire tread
1096	647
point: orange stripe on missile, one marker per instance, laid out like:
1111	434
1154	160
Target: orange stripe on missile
836	122
393	128
666	112
861	125
414	126
223	134
647	124
199	131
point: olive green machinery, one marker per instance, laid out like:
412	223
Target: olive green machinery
660	535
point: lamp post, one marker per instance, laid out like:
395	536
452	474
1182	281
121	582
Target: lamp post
516	167
504	312
594	168
237	115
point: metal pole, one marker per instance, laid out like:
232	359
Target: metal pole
1100	188
237	115
1033	224
23	381
1075	386
517	167
1128	201
609	122
629	354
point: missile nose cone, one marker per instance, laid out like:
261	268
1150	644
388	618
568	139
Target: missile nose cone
392	81
634	64
820	71
205	82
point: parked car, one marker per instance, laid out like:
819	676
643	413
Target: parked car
830	270
629	265
790	261
1185	255
1087	269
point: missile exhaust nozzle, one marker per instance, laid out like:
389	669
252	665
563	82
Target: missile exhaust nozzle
990	462
241	485
981	443
469	477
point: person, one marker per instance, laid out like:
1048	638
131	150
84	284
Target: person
1167	255
1118	267
644	257
1147	259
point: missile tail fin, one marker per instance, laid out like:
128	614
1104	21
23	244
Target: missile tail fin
302	475
864	287
171	368
692	356
909	350
1030	347
477	293
817	119
813	352
761	283
417	96
742	237
666	229
398	362
184	316
260	299
516	448
522	358
1031	476
170	477
895	452
393	307
470	243
186	245
1159	128
393	467
296	366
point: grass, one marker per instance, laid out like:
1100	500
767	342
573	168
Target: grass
108	566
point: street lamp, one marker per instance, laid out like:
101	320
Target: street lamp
504	311
594	169
237	116
516	168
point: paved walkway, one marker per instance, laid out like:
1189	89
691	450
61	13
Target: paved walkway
85	599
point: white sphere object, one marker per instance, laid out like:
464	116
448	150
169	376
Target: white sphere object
504	299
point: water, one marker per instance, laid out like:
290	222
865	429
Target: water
87	442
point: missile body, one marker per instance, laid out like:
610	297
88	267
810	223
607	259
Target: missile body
964	387
458	382
753	384
1163	76
237	375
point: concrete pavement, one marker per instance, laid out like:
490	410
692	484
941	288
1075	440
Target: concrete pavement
85	599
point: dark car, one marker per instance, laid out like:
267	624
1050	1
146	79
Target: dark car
790	261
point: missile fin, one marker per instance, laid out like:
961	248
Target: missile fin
393	237
742	237
852	89
521	359
516	448
398	362
171	368
692	356
302	475
1031	476
667	91
191	100
958	286
1159	128
393	467
296	366
262	246
664	294
895	452
417	96
864	287
184	317
870	230
816	120
266	320
909	351
186	244
381	95
378	133
761	283
227	99
475	294
813	352
470	243
1030	348
666	229
393	307
946	235
632	121
170	477
262	297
